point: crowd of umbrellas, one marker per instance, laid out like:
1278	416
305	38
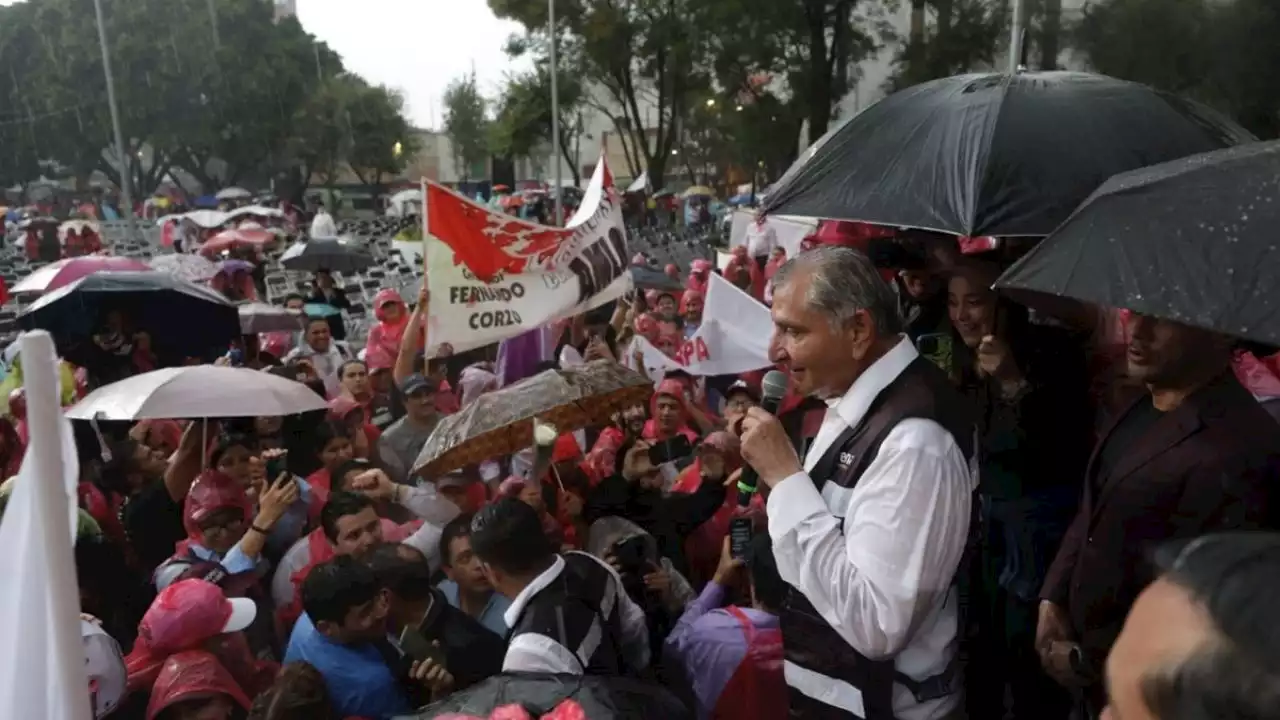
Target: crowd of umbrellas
1145	200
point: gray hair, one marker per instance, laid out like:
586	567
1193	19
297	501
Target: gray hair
843	281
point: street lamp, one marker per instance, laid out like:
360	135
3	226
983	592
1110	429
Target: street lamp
711	102
397	149
738	108
675	152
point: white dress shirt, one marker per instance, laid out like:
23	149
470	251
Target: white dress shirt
761	239
877	561
533	652
322	225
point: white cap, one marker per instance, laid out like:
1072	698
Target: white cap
104	665
243	611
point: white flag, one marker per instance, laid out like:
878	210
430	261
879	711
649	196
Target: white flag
42	669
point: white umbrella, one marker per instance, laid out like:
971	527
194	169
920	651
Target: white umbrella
233	193
197	391
206	219
256	317
256	211
193	268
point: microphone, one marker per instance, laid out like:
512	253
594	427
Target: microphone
773	388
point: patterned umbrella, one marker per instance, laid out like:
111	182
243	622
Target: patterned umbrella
194	268
501	422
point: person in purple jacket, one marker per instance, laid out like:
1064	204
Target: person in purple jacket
730	658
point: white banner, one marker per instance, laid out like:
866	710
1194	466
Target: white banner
546	273
733	337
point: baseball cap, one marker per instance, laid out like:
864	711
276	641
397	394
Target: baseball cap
743	387
417	383
191	611
104	665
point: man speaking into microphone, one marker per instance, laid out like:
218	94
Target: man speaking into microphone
869	529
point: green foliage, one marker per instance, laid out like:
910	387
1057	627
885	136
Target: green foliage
1221	52
963	35
522	122
466	123
253	100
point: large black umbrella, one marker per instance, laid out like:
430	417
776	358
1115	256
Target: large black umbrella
326	254
1193	240
993	154
649	279
182	318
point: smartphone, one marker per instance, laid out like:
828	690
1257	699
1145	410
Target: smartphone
937	348
277	465
740	531
417	646
236	356
676	448
631	554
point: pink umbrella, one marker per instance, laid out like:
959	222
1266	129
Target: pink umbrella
255	238
65	272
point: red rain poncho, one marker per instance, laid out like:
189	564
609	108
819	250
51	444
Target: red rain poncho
212	491
190	675
703	546
189	615
383	345
672	388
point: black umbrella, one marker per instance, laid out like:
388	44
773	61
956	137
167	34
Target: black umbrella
182	318
1193	240
326	254
650	279
993	154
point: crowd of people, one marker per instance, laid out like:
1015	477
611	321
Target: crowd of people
958	502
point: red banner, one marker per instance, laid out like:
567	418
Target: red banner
487	242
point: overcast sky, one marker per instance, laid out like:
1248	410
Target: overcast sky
414	46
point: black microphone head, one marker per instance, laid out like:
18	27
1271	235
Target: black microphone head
774	386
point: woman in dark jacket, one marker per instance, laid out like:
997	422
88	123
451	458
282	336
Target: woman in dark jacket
1029	384
325	292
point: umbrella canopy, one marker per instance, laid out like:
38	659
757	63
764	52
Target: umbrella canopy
319	310
326	254
64	272
501	422
252	211
197	391
207	219
233	193
1192	241
649	279
262	318
233	265
698	191
183	319
993	154
193	268
237	238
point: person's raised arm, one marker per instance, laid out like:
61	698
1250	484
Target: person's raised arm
188	461
415	336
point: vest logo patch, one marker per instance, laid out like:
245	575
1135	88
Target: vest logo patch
846	459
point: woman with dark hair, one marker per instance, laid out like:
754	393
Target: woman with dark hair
299	693
1029	384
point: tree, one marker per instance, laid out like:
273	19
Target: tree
522	123
1221	53
183	100
466	124
322	140
966	34
382	141
645	52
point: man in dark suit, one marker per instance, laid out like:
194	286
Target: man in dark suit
1194	454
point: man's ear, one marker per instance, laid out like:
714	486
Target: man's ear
328	629
861	331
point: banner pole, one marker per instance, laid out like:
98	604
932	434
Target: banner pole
426	318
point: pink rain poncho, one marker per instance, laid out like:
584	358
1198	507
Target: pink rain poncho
384	338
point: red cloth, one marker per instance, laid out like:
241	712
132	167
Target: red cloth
212	491
383	344
190	675
757	688
105	510
673	388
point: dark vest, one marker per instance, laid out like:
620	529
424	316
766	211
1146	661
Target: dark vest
579	611
922	391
